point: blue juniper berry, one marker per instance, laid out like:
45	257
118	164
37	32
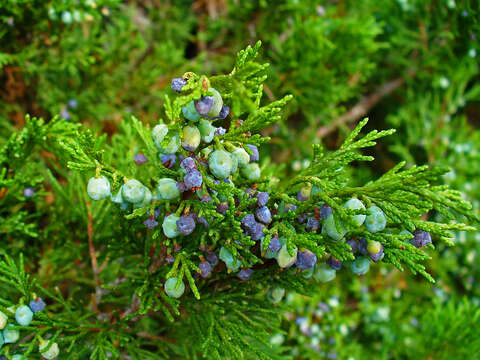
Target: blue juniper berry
245	274
262	198
178	84
140	159
335	264
186	224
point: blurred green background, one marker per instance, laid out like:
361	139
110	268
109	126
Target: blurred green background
408	64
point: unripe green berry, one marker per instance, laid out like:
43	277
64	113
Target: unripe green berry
220	164
251	171
174	287
374	247
133	191
170	226
167	189
190	138
284	259
98	188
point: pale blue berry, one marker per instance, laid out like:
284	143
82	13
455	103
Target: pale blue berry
220	164
23	315
172	146
147	199
355	204
234	165
169	226
324	273
3	320
251	171
217	103
49	352
207	130
98	188
375	220
276	294
190	138
174	287
190	113
158	134
284	259
360	266
329	227
10	336
242	156
167	189
133	191
227	257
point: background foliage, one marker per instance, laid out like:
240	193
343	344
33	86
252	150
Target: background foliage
408	64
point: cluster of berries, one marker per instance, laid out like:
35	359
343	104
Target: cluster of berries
23	315
200	168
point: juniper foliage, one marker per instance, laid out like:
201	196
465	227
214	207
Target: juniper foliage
103	272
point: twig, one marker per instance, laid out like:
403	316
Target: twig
93	258
364	105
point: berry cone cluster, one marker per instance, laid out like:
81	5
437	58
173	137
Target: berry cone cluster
209	171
